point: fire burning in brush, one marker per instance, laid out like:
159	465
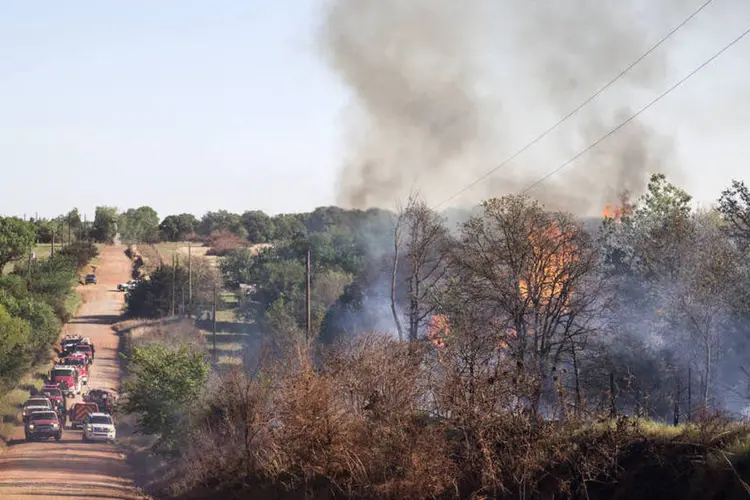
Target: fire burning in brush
544	285
437	330
552	253
617	212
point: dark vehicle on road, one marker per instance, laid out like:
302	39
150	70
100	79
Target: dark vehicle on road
54	394
69	343
43	424
90	279
37	403
103	398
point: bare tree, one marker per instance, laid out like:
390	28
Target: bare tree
421	247
398	234
709	269
532	274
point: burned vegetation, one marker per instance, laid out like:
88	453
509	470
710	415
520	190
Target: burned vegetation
523	354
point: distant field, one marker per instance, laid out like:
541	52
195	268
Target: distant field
233	338
42	251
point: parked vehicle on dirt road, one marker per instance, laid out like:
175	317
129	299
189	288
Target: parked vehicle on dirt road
128	285
67	378
69	343
103	398
56	396
99	426
87	349
43	424
79	411
36	404
90	279
81	362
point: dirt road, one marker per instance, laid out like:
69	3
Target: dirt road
71	468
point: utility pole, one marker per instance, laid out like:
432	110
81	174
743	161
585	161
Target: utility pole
690	390
52	249
190	279
214	320
174	283
308	323
70	234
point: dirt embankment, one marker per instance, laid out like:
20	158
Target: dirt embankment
71	468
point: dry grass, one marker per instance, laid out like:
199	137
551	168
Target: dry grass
363	424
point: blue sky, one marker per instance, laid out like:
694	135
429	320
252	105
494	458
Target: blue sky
196	106
186	106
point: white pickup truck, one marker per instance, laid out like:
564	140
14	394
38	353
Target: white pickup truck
128	285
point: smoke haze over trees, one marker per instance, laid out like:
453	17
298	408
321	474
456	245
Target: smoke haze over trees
520	327
433	111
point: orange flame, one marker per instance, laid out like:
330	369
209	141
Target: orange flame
617	212
438	329
548	272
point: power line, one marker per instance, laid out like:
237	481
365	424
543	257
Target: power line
632	117
579	107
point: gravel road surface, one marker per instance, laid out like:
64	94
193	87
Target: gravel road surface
71	468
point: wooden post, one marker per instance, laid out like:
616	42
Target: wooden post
677	403
308	323
214	320
690	395
174	284
190	279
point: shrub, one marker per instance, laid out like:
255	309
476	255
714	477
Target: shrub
80	252
168	380
223	241
14	352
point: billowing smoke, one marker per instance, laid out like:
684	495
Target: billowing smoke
445	90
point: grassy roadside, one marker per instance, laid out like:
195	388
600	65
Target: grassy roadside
146	465
11	403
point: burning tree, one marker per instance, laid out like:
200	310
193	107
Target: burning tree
531	276
421	246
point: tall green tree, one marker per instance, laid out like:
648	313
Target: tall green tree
104	228
178	227
259	226
166	385
17	238
139	225
222	219
14	340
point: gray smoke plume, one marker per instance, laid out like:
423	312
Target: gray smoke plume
445	90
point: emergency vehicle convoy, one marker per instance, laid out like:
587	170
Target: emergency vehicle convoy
46	411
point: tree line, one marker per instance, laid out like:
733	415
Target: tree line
36	296
439	354
569	300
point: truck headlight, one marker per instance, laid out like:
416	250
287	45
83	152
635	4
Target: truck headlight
55	425
89	428
31	427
